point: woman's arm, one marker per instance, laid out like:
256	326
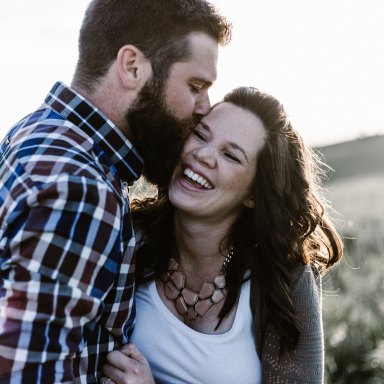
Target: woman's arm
306	363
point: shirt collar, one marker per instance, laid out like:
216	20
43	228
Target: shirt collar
76	109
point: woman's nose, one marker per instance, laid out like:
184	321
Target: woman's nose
205	155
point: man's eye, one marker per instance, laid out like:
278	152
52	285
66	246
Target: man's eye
195	88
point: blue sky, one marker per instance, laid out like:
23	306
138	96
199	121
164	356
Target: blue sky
322	58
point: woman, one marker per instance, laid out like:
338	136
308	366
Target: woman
231	256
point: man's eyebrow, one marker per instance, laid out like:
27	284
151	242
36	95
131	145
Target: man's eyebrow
231	143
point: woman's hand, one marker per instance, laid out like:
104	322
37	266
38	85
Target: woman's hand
128	366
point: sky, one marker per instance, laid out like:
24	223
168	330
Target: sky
323	59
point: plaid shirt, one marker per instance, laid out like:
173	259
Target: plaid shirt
66	242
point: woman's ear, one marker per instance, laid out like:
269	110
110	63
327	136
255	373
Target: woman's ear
250	202
133	67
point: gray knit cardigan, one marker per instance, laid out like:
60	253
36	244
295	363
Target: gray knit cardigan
306	363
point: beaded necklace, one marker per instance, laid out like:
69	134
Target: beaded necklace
188	302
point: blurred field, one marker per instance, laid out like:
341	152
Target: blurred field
355	158
353	298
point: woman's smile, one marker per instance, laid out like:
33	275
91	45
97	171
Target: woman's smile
196	179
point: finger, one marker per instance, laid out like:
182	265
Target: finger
115	375
119	360
135	372
133	352
106	380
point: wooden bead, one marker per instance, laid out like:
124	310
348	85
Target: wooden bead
181	307
170	291
190	297
178	278
206	290
192	314
202	306
219	281
217	296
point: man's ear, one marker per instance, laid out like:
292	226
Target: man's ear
133	67
250	202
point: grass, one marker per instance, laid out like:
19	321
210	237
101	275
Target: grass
353	291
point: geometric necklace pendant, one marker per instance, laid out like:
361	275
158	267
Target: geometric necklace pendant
189	303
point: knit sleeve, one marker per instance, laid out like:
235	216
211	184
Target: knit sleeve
306	363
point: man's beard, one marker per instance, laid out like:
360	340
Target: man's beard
157	135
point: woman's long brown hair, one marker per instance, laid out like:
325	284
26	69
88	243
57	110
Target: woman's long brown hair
289	224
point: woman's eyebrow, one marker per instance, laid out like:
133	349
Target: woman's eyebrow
236	146
204	125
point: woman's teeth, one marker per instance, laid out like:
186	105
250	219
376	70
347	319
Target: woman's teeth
197	178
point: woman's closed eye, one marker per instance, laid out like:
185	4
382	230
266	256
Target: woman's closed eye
232	157
200	135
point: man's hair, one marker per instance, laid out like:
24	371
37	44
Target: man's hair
159	28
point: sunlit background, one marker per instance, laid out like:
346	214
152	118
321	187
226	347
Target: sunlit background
323	59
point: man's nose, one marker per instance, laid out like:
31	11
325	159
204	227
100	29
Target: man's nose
203	104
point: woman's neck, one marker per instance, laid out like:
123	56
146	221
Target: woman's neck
200	245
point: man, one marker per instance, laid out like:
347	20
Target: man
66	237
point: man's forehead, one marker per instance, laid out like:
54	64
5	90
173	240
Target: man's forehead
204	51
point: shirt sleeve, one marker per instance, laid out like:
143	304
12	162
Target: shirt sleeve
306	363
60	259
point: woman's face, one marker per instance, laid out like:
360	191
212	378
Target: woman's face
218	164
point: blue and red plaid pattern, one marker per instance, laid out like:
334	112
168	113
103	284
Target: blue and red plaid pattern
66	242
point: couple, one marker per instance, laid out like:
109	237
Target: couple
229	257
239	215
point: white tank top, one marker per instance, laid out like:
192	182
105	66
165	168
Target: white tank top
178	354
